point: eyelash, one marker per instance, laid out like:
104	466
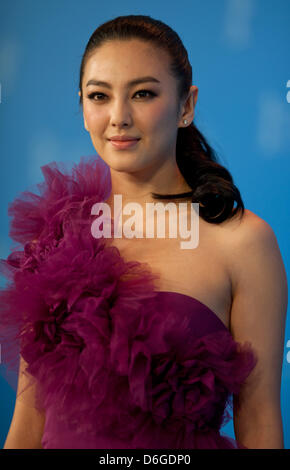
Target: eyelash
92	95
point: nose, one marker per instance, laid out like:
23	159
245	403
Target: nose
120	114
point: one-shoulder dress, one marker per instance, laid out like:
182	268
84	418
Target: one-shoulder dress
116	364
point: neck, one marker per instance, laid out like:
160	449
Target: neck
137	187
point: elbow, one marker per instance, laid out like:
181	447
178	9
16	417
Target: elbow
263	430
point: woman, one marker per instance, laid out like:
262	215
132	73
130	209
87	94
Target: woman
135	342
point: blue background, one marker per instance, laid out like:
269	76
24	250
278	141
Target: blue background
239	51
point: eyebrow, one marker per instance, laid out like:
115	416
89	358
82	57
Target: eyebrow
131	83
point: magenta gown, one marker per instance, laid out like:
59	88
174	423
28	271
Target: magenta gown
116	363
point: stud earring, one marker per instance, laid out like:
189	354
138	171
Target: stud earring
185	121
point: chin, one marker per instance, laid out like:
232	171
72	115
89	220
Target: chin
125	163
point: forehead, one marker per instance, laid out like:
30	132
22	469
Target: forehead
130	58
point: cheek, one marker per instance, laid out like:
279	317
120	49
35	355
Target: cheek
161	116
152	118
92	116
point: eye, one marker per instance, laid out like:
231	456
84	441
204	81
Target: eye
145	91
91	96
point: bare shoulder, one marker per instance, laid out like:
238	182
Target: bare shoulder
247	240
245	232
245	227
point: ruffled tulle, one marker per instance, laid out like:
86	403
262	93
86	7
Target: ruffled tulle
100	349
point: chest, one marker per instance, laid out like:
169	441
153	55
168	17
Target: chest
199	272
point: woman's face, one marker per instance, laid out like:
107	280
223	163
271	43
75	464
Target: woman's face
148	111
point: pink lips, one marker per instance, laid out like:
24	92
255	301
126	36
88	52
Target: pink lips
124	144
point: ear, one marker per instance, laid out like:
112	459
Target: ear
188	108
85	122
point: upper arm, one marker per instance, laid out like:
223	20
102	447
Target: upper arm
258	316
26	428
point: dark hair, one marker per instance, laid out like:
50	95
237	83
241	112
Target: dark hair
212	184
